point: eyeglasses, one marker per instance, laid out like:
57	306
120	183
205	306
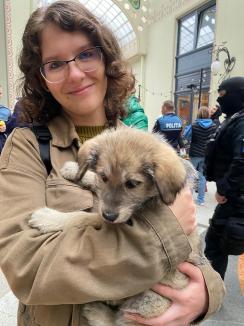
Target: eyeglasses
56	71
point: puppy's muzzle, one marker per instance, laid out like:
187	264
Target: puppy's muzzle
110	216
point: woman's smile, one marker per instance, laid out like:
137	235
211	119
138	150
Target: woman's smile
83	90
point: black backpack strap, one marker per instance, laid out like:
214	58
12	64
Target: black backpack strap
43	137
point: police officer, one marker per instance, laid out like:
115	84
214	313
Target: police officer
170	125
225	165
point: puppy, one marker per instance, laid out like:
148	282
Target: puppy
129	170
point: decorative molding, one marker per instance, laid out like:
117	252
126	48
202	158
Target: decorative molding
136	12
164	10
135	4
144	14
9	51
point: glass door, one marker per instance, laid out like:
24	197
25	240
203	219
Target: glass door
187	105
183	107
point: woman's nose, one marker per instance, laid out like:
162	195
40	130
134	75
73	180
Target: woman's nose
74	72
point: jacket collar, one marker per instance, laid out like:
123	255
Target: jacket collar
63	131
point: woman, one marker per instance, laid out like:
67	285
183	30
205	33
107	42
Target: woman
201	131
76	83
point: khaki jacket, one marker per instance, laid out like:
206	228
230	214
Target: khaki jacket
53	274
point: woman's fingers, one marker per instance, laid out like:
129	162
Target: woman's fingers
193	272
166	291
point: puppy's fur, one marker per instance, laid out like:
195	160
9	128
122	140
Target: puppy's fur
129	170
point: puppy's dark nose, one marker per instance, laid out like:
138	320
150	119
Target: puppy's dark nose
110	216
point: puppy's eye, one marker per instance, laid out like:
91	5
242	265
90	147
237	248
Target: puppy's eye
130	184
104	177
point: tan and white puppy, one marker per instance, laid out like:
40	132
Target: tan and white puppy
128	169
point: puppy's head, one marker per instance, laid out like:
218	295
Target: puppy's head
132	167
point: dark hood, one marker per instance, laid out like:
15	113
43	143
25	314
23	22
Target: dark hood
233	100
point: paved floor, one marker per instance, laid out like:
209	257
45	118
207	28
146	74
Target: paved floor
231	313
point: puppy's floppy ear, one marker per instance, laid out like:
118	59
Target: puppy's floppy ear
149	170
168	180
87	157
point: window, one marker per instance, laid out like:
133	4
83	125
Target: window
187	30
193	60
196	30
207	27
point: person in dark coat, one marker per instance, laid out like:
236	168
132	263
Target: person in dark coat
225	165
199	134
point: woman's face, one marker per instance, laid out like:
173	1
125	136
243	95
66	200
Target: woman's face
212	110
81	94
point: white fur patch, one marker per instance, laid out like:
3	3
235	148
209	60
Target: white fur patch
48	220
69	170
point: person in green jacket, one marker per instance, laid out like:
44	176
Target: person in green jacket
136	116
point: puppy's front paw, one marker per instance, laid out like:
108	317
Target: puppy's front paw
69	170
47	220
89	181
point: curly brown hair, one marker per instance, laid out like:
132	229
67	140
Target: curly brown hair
37	103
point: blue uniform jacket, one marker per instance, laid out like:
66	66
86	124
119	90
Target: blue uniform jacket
170	126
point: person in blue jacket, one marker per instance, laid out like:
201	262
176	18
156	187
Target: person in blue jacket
198	135
170	126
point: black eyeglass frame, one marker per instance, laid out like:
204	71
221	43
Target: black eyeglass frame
98	47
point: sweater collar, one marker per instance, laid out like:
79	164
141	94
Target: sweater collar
63	131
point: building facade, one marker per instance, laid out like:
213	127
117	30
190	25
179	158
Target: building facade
169	43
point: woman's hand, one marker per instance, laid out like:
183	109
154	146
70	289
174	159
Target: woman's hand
187	304
184	209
